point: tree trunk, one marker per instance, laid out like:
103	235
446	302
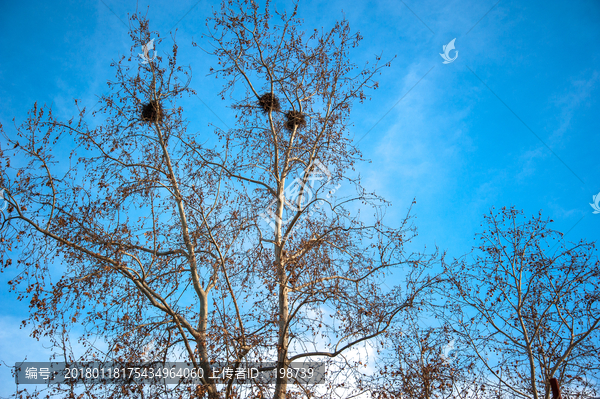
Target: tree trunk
282	343
201	342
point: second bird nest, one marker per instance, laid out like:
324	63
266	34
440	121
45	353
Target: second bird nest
152	112
295	119
269	102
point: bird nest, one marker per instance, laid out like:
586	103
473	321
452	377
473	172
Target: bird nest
152	112
295	119
269	102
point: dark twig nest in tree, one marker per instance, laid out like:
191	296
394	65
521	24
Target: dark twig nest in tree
269	102
295	119
152	112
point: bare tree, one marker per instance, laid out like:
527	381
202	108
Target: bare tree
528	308
168	249
424	360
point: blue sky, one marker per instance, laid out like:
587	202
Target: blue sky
512	121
